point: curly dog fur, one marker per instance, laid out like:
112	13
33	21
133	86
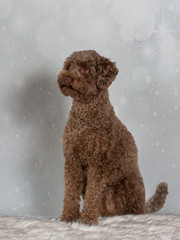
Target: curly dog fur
101	154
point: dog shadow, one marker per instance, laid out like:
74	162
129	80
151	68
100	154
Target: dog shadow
38	109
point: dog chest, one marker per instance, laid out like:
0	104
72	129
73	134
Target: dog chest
85	142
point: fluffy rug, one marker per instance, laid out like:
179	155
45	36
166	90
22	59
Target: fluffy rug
118	227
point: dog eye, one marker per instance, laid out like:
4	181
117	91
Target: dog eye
84	69
67	66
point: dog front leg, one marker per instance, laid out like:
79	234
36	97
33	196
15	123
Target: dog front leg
92	201
73	187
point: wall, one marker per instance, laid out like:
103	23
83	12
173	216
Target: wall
35	37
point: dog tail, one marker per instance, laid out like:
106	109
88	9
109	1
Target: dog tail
156	202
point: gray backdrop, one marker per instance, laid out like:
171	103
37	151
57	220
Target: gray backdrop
35	37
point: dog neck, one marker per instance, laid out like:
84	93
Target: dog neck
92	113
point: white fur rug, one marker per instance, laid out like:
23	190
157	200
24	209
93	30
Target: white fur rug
118	227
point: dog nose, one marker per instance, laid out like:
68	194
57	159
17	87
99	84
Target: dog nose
66	79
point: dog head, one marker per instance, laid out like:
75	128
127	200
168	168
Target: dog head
85	74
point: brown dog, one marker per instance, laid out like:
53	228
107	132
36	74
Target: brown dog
101	154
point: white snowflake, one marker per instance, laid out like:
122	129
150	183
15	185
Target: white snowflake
16	189
123	101
154	114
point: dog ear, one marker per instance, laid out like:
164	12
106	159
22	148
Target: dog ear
106	72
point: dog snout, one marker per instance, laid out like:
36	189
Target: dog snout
66	80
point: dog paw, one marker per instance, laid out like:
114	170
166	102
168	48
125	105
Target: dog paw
87	219
69	217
